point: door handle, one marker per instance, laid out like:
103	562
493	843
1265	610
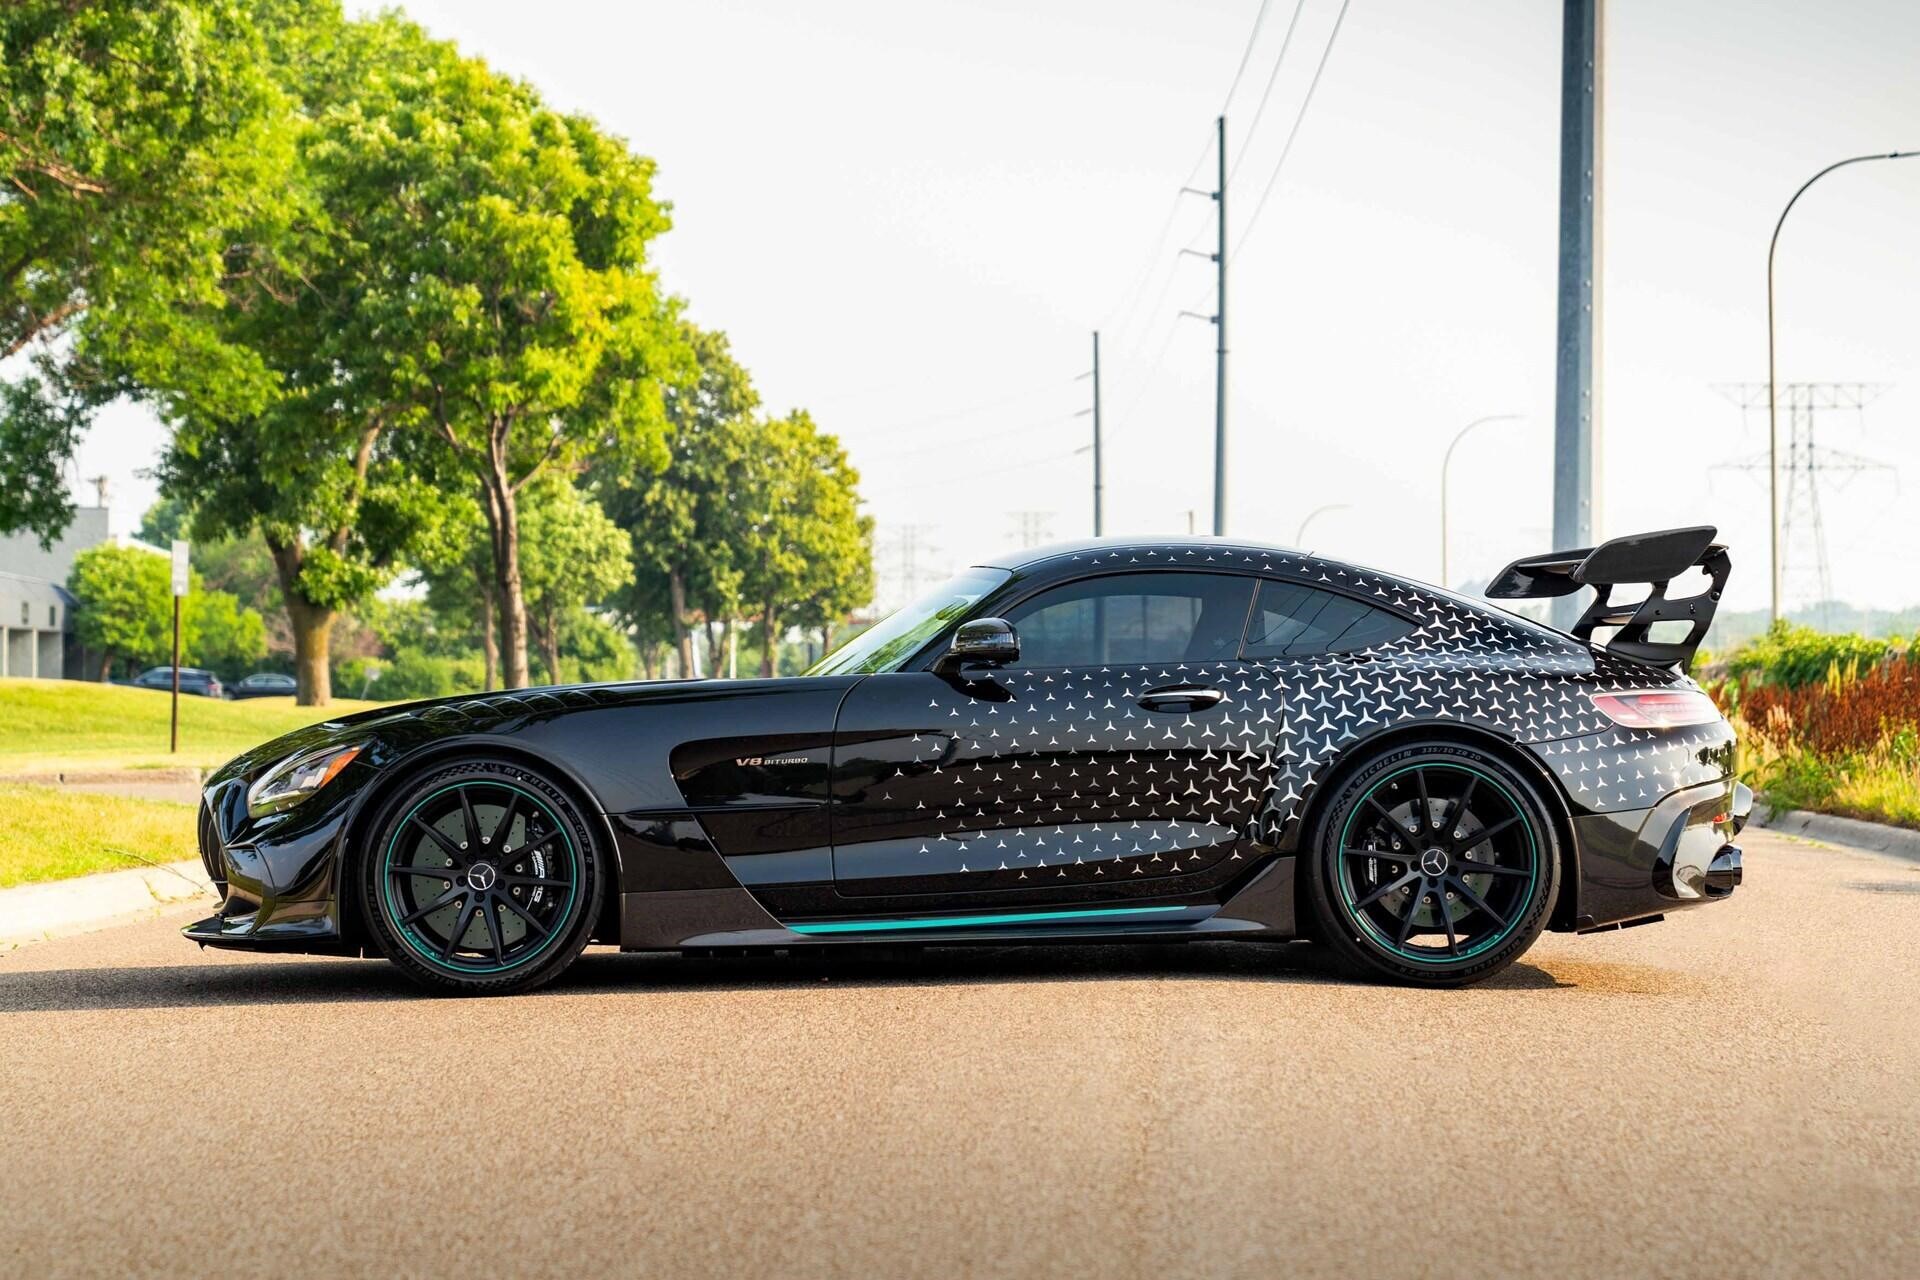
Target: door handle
1180	697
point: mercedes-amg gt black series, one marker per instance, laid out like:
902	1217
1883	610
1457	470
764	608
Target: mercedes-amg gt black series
1110	740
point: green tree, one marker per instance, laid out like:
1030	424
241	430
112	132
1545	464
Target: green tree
574	556
807	554
502	301
683	527
134	138
124	609
312	468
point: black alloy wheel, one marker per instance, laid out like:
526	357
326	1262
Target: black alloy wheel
1435	865
482	877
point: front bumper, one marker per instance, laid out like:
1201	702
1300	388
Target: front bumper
278	877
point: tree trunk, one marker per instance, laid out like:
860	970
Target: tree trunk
106	667
646	660
489	637
550	645
312	627
826	638
312	645
766	639
682	634
503	532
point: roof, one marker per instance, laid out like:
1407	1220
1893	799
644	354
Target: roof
19	586
1031	556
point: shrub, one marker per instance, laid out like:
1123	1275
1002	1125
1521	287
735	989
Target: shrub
409	674
1793	657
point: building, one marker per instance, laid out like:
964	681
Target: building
36	611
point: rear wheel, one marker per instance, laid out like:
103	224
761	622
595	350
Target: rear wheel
1435	865
483	878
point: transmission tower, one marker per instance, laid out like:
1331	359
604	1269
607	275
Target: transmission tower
904	566
1032	528
1804	467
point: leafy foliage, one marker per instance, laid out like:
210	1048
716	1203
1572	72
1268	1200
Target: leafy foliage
125	611
134	139
1793	657
806	551
1845	740
498	296
574	556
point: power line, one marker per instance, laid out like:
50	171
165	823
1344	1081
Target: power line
946	444
1120	318
1247	53
1273	78
1293	133
1117	321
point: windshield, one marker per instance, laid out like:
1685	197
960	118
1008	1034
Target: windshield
888	643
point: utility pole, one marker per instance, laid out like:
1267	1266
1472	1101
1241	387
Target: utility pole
1576	403
1776	552
1094	373
1099	524
1220	347
1219	318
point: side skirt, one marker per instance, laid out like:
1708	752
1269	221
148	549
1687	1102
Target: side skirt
732	917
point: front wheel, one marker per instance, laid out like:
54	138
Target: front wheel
483	878
1434	865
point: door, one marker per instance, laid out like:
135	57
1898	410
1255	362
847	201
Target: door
1118	758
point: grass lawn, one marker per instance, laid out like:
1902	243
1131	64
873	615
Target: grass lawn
47	726
52	833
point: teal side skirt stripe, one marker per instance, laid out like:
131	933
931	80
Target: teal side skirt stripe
972	922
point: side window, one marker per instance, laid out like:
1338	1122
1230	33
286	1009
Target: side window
1292	621
1134	618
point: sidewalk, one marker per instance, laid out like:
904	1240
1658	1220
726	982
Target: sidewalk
182	785
30	912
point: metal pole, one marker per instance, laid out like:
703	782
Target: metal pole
1575	410
1300	538
173	732
1098	523
1773	390
1445	463
1220	347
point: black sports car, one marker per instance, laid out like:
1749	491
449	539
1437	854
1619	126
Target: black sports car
1101	741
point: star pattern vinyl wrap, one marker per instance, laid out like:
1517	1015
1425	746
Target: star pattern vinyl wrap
1059	775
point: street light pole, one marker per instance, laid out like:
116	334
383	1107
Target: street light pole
1773	390
1300	538
1447	462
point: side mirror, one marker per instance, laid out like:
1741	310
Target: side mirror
988	642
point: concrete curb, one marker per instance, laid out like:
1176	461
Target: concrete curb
31	912
182	786
1852	833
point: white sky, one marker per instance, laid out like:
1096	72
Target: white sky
910	216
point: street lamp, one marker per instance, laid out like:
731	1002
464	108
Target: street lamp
1447	462
1300	538
1773	391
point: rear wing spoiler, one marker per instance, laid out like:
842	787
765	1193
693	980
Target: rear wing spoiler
1651	558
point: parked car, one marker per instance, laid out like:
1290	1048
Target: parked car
194	680
1104	741
265	684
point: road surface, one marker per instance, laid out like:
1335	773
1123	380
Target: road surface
1733	1092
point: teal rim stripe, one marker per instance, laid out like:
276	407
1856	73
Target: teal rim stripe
973	922
430	954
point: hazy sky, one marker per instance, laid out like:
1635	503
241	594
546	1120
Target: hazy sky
910	216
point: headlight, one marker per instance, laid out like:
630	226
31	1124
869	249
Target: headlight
297	777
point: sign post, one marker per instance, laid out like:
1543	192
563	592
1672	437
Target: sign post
181	577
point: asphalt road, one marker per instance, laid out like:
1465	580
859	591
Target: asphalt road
1733	1092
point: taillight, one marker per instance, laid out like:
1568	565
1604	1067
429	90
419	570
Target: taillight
1656	708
